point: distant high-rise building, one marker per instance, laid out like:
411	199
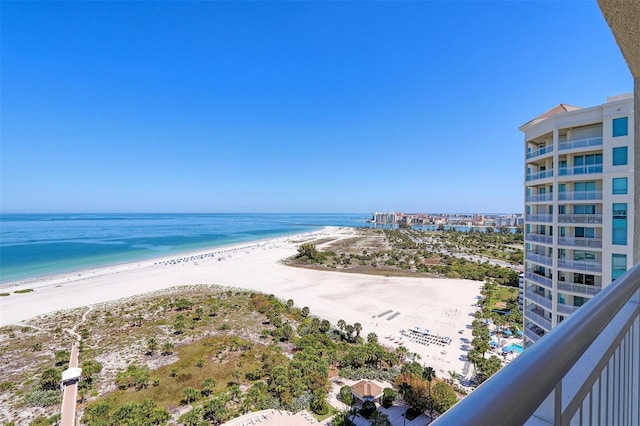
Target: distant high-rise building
579	208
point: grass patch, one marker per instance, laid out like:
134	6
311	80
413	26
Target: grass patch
502	295
25	290
5	294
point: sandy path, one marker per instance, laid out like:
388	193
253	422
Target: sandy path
443	306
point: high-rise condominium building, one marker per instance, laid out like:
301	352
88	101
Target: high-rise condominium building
579	208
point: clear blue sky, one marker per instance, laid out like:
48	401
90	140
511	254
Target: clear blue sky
287	106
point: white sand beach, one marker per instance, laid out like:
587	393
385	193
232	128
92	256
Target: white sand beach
444	306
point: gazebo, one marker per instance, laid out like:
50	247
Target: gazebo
366	390
71	375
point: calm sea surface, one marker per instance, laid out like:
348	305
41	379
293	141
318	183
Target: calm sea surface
36	245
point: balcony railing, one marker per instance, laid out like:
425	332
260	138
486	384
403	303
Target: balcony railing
540	175
538	318
539	258
537	278
579	170
540	151
539	238
580	289
580	143
532	335
580	218
580	195
580	242
566	309
534	198
585	371
539	218
539	299
580	265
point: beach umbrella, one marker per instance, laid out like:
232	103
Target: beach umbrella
493	343
519	333
507	332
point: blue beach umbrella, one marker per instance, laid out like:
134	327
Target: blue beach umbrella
507	332
519	333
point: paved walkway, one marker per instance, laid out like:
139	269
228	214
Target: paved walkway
70	395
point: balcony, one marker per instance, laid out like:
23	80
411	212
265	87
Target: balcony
580	143
539	279
580	196
539	299
539	238
592	379
580	265
538	317
536	198
539	258
580	218
539	218
532	335
540	151
580	242
580	170
540	175
579	289
566	309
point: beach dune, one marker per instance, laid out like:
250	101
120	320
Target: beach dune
444	306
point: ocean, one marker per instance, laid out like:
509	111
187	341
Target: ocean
38	245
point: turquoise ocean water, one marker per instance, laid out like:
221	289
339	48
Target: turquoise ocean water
37	245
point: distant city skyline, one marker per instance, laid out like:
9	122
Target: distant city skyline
287	106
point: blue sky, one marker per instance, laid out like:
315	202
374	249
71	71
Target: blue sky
287	106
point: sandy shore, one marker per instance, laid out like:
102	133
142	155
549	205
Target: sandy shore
445	306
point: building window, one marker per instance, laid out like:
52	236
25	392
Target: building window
618	265
620	127
619	232
620	185
620	156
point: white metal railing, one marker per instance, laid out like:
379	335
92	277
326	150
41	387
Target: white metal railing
580	143
580	265
533	198
537	278
580	218
539	218
579	170
585	371
540	151
539	238
540	175
532	335
579	195
580	242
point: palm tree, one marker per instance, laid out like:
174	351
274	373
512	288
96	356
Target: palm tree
429	374
358	327
404	390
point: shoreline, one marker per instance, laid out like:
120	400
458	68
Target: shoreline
115	268
384	305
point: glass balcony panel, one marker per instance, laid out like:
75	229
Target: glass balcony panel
536	317
580	218
539	218
540	175
539	238
538	258
539	279
531	334
580	242
579	170
539	299
580	143
580	265
580	195
533	198
579	289
540	151
567	309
